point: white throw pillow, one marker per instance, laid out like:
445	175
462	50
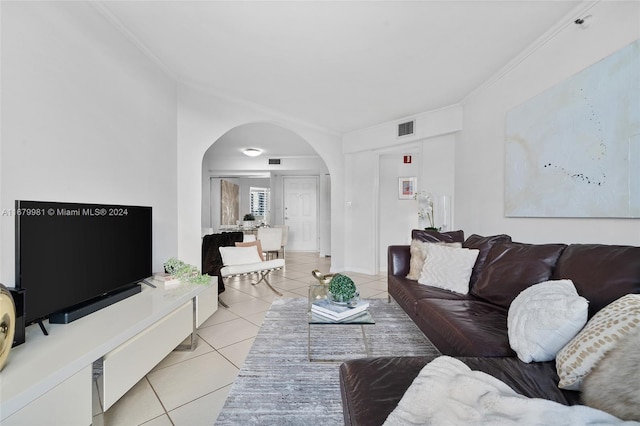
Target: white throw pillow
448	267
543	318
418	252
601	334
239	255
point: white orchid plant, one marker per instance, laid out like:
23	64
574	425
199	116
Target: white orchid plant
425	207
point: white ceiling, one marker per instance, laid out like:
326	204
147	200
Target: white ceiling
341	65
274	142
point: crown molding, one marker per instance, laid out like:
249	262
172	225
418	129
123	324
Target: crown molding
260	108
566	21
117	23
122	28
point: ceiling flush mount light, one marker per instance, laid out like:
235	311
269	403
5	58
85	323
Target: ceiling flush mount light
252	152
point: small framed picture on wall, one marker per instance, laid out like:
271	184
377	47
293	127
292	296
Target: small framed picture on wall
407	187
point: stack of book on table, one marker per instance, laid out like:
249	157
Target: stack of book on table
331	311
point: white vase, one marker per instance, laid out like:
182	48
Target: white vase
443	212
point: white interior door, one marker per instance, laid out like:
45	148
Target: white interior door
301	212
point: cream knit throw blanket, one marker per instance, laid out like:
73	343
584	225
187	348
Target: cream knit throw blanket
447	392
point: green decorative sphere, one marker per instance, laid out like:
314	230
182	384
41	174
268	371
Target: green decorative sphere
342	288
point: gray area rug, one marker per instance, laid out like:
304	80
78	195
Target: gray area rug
278	385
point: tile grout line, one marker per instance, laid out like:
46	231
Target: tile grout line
303	266
161	404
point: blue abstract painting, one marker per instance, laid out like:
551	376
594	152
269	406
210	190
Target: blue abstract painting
574	150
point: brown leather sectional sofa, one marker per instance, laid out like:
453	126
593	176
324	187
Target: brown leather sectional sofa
473	327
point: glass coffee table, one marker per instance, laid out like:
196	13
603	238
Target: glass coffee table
337	341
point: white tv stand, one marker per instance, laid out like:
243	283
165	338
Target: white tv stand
48	379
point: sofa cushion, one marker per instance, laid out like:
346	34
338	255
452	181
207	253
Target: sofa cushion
406	292
601	334
512	267
448	267
483	245
601	273
239	255
435	236
464	327
544	318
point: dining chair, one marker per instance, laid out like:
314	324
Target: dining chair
271	240
285	235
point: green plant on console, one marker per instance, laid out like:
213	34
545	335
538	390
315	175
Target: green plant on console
185	272
342	287
248	217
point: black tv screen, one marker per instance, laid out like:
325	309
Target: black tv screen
71	254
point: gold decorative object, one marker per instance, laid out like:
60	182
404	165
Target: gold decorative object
322	278
7	323
319	291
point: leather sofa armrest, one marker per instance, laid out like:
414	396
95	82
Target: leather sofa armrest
399	258
371	388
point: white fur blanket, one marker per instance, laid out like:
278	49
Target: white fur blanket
447	392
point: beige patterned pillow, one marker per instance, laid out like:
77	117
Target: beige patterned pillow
418	251
602	333
614	384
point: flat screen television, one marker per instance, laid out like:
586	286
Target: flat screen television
73	259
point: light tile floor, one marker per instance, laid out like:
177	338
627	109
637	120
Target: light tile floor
189	388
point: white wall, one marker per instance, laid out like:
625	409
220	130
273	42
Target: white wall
325	214
396	217
427	124
361	192
480	146
433	165
85	118
203	119
372	205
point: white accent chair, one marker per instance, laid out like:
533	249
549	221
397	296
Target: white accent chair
271	240
242	261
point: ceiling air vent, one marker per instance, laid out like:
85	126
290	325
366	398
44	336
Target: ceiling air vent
405	129
274	161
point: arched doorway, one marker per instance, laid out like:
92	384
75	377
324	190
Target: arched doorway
285	157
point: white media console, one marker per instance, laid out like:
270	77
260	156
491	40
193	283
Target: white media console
49	379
